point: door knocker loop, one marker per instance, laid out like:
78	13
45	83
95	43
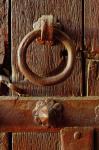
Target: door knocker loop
33	77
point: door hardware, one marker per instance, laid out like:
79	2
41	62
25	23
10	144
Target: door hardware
45	23
48	113
51	80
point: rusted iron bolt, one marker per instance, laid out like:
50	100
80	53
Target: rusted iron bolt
48	113
77	135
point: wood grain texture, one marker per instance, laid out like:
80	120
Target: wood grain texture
3	28
92	44
91	19
44	59
52	140
92	78
3	42
16	114
3	141
36	141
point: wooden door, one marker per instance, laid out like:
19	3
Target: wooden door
80	21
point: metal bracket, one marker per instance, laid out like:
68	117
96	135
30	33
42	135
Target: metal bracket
77	138
46	24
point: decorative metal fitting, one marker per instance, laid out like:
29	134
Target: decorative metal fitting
46	34
48	113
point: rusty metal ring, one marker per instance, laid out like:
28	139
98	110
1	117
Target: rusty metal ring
36	79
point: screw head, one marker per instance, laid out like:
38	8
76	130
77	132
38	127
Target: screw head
77	135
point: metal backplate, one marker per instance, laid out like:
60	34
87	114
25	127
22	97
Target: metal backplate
77	139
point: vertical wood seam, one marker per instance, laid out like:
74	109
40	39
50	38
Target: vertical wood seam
83	61
9	47
9	31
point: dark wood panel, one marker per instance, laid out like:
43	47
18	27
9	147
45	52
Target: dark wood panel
43	59
92	45
4	52
16	113
96	135
36	141
3	141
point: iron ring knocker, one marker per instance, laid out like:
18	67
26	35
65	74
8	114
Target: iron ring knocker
36	79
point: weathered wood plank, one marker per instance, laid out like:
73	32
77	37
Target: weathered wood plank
16	114
92	78
91	20
92	44
2	49
3	28
43	59
3	141
3	41
36	140
46	139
